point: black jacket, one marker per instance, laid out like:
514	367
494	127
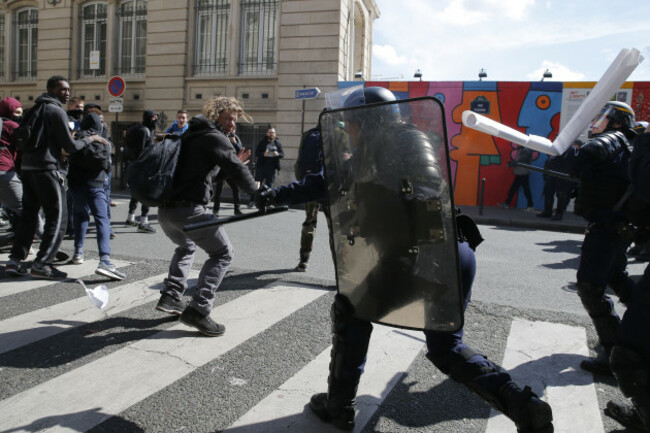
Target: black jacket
267	162
52	138
205	152
81	171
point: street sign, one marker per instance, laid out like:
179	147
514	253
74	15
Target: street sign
115	107
307	93
116	86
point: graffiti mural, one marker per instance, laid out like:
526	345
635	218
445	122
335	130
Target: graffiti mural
479	159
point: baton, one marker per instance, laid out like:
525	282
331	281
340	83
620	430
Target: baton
234	218
557	174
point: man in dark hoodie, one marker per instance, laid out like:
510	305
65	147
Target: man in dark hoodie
205	152
88	171
138	137
44	184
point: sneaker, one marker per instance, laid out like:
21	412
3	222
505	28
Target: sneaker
113	235
131	223
146	228
238	212
557	216
61	257
109	270
302	267
251	205
204	324
504	205
113	204
168	304
78	259
47	272
15	269
530	209
340	415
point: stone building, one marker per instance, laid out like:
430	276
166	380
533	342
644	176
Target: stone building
176	54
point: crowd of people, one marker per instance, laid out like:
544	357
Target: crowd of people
73	153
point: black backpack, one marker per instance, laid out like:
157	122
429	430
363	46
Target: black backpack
310	157
93	158
151	176
26	135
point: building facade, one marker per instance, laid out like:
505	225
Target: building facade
177	54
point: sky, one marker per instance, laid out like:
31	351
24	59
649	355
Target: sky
513	40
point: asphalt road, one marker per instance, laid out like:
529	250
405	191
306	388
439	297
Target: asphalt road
69	367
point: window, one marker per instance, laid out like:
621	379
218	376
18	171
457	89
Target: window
259	36
93	40
2	45
133	37
27	26
211	37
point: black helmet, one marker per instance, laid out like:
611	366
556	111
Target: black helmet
370	95
640	127
620	113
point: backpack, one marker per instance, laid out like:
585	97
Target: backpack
26	135
151	176
93	158
310	155
133	142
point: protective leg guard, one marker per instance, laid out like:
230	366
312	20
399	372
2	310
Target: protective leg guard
349	347
632	373
601	310
626	414
523	407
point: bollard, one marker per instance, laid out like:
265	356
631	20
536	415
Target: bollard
481	197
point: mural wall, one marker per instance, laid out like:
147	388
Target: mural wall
538	108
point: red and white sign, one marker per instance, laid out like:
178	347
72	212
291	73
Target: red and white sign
116	86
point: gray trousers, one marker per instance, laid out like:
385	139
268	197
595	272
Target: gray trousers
11	191
212	240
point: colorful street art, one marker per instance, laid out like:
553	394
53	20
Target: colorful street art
530	107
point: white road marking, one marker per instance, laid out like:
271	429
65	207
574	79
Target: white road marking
27	328
285	409
546	356
82	398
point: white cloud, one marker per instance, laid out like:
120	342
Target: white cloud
387	54
559	71
513	9
456	13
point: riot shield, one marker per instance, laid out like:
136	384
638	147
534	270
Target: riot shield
391	211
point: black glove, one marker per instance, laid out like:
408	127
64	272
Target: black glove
264	197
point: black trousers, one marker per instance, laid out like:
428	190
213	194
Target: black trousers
46	189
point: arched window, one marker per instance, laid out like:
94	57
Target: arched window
133	37
211	54
259	33
26	43
93	39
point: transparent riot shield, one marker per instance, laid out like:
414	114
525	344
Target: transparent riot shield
391	211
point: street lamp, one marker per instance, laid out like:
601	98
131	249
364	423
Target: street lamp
482	74
547	74
359	75
418	74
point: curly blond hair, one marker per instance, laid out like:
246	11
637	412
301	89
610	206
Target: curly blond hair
218	104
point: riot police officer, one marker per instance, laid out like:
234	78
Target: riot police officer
630	357
602	166
400	145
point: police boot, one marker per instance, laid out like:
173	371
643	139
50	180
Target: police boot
349	347
529	413
633	378
336	407
607	323
626	415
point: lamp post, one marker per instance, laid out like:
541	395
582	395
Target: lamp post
547	74
418	74
482	74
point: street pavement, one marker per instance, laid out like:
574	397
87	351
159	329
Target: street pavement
66	366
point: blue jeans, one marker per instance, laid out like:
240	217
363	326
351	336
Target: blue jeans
94	198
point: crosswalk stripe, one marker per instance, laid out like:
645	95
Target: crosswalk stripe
27	328
284	409
88	395
12	286
547	357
